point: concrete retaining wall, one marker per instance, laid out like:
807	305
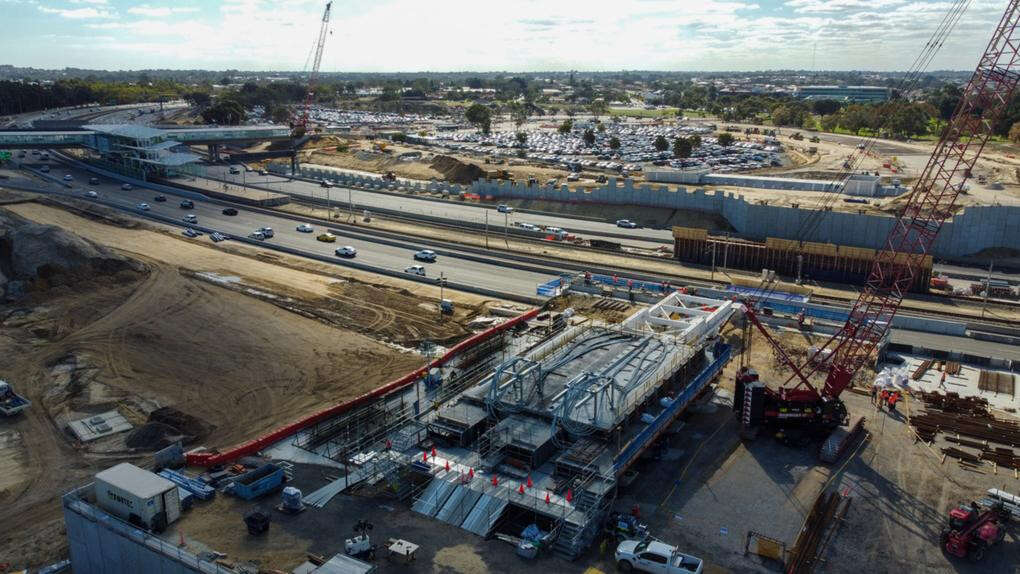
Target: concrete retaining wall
974	230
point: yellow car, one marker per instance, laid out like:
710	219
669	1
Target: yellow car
327	238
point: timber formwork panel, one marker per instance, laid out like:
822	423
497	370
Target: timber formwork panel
838	264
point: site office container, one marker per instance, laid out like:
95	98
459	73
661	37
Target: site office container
138	496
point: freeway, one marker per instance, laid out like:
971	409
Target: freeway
642	237
491	274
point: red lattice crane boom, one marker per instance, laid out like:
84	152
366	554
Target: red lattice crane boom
313	74
929	205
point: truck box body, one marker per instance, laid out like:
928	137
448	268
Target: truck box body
138	496
258	482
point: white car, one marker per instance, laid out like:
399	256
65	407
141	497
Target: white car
305	228
626	223
91	194
416	270
426	255
346	251
190	218
267	231
191	232
68	177
257	235
656	557
504	208
143	206
126	187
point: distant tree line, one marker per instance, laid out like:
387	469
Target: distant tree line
21	97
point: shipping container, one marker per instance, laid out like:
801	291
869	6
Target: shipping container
138	496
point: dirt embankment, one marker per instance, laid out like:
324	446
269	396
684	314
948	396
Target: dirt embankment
180	356
457	171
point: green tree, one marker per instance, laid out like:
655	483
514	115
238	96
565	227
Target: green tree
1014	133
598	107
825	107
695	141
660	143
522	138
725	139
565	127
589	137
479	116
198	99
905	120
226	112
828	123
280	115
614	142
519	114
682	147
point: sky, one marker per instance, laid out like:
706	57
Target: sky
488	35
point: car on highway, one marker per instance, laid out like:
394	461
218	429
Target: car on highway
190	232
504	208
305	228
346	251
426	255
91	194
234	170
159	198
326	183
187	204
263	172
143	206
326	237
217	237
190	218
45	169
229	211
267	231
68	177
93	181
650	555
126	187
415	270
257	235
626	223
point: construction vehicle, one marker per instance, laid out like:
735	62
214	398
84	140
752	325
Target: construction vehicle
971	529
389	176
800	406
446	307
10	402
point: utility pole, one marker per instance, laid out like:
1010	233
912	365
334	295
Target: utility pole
329	206
800	267
726	251
486	228
506	229
988	287
442	284
350	203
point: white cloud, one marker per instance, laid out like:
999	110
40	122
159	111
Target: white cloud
88	2
78	13
160	11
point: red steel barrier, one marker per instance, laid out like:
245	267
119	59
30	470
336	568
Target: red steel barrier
210	458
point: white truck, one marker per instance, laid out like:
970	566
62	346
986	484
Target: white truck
10	402
138	496
650	555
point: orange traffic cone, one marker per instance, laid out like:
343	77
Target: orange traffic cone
530	484
547	498
471	473
570	495
521	489
447	466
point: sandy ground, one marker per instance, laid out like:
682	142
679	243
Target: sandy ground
243	355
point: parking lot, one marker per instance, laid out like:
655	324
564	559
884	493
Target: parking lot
636	151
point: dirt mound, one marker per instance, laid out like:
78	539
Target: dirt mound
153	436
167	425
457	171
48	256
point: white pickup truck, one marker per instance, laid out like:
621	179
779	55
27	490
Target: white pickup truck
656	557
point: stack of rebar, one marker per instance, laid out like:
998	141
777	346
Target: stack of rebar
988	429
954	403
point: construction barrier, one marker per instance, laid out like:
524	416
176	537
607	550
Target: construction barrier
210	458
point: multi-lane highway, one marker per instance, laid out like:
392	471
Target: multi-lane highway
462	268
608	230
